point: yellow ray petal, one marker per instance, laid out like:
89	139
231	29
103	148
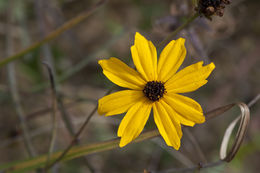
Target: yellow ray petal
134	121
186	107
190	78
118	102
171	59
168	127
177	117
144	55
121	74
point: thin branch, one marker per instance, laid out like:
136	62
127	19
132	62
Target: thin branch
54	110
196	145
65	116
176	154
48	127
39	8
194	168
75	139
254	100
68	25
69	126
13	85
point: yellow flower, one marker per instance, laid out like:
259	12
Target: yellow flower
154	87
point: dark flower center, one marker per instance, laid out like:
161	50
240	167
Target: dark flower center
154	90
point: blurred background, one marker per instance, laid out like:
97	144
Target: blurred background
231	42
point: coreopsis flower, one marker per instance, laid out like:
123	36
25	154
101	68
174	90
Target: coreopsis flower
154	87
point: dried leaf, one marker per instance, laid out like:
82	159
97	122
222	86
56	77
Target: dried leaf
244	118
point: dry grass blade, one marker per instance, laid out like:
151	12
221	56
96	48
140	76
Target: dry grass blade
244	121
66	26
54	107
13	83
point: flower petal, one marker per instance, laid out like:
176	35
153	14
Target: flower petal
171	59
134	121
167	125
144	55
186	107
177	116
118	102
121	74
190	78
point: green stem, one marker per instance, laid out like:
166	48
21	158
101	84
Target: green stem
175	32
75	152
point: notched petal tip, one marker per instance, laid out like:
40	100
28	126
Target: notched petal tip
121	144
181	40
140	38
100	112
201	120
102	61
199	64
133	48
212	66
138	35
124	141
177	147
209	67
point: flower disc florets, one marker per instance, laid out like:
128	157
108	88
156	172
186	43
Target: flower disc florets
154	90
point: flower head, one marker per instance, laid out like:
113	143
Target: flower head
209	8
154	86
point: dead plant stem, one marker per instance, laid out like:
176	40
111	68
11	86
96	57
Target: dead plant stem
13	84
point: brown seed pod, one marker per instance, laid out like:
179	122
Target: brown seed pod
208	8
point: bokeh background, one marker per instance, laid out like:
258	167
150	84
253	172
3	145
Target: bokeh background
231	42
